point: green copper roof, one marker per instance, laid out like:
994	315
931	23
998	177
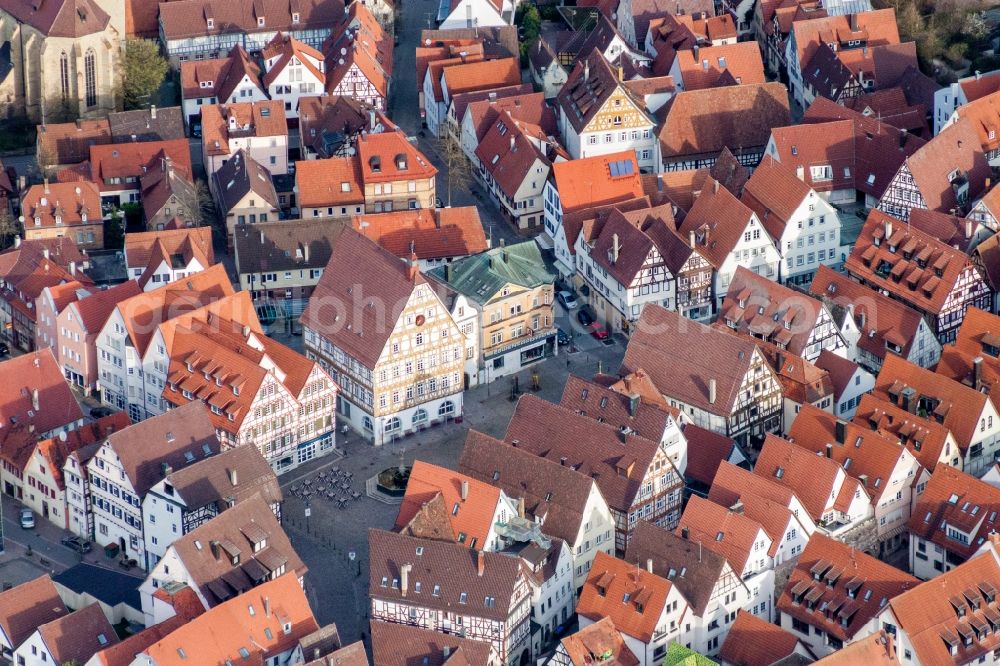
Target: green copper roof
481	276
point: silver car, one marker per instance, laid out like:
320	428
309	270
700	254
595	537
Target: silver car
567	299
27	519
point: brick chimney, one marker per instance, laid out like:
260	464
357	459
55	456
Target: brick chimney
480	562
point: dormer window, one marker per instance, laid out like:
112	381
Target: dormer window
295	17
210	23
375	164
260	21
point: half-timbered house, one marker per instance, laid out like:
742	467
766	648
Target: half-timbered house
791	321
293	69
188	497
925	273
598	115
359	57
451	589
623	263
733	391
642	485
945	175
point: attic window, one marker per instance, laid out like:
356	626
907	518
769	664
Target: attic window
375	164
345	186
463	598
416	587
260	21
490	602
295	17
871	179
437	591
209	23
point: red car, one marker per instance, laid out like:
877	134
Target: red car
598	331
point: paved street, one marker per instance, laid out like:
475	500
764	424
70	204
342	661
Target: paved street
336	585
404	110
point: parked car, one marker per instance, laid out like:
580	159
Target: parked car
77	543
562	337
598	331
27	519
586	316
567	299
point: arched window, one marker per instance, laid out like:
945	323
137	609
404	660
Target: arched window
64	74
420	416
447	407
90	77
392	424
366	422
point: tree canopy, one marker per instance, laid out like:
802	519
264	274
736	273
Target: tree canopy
143	71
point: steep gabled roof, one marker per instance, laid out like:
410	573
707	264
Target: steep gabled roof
703	122
684	375
956	499
631	596
838	588
752	641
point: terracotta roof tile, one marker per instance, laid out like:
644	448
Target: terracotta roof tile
431	233
774	193
875	650
684	376
61	205
445	572
322	183
590	85
702	68
812	478
250	528
873	27
471	514
260	119
403	645
728	533
913	266
928	613
609	582
27	606
589	182
707	450
840	369
510	155
142	248
700	122
694	570
356	260
960	405
26	374
222	633
862	452
600	638
960	500
835	610
74	638
615	406
69	143
717	219
752	641
644	11
956	148
924	438
875	314
184	19
482	75
553	494
554	432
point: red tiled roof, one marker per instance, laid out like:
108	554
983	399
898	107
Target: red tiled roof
958	406
331	182
703	68
915	267
132	160
844	586
588	182
61	205
707	450
763	309
509	155
684	376
812	478
774	193
24	376
471	515
728	533
752	641
389	157
873	27
610	581
600	638
924	438
955	149
702	122
431	233
955	499
930	617
862	452
260	119
879	317
718	220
